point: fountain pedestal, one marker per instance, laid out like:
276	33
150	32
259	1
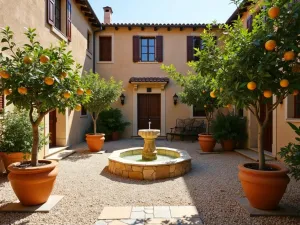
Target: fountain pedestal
149	151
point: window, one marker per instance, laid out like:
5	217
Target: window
198	111
83	111
197	43
147	49
249	23
105	51
297	106
241	112
57	14
88	40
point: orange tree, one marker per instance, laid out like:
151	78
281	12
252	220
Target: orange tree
254	66
39	79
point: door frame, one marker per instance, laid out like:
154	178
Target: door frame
155	90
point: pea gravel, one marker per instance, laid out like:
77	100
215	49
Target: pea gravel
212	186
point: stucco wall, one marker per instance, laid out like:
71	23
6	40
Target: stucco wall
122	68
33	13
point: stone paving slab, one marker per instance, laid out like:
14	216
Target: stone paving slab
149	215
46	207
283	210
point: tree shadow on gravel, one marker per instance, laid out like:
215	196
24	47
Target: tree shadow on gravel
79	155
3	179
13	217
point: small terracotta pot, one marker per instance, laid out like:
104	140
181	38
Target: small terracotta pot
207	142
115	136
228	145
9	158
33	185
264	189
95	141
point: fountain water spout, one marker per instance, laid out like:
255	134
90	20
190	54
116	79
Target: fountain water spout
149	124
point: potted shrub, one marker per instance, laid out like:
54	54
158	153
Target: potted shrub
228	130
196	92
254	66
103	94
16	146
111	120
40	80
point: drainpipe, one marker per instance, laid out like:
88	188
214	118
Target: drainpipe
94	48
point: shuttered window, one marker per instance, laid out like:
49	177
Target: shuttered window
105	51
57	14
147	49
249	23
297	106
192	43
83	111
1	103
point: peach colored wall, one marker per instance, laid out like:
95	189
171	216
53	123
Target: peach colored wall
19	14
122	68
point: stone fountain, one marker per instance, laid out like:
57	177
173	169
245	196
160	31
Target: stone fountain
149	162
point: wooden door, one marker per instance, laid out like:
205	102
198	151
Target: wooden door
52	128
149	110
268	132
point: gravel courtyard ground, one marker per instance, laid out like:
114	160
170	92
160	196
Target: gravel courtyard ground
212	186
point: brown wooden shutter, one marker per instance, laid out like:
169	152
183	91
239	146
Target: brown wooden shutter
105	53
69	20
249	23
136	48
51	9
159	48
1	102
190	48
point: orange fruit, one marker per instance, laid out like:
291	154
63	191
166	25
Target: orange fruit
4	74
88	92
64	74
251	85
67	94
78	107
284	83
295	92
44	59
288	56
270	45
268	94
22	90
80	91
274	12
49	80
213	94
27	60
7	91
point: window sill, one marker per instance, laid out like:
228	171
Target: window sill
59	34
148	62
105	62
89	54
293	120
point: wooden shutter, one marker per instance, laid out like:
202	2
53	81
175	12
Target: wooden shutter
105	53
69	19
159	48
190	48
136	48
249	23
51	9
1	102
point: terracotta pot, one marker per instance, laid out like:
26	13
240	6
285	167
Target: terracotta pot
228	145
115	136
264	189
9	158
95	141
33	185
207	142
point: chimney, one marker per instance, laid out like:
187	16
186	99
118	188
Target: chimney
107	14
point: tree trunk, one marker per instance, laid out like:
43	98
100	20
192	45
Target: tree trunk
95	126
35	145
261	153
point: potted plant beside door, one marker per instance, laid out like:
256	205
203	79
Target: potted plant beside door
39	80
103	94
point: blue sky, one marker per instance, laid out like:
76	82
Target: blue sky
165	11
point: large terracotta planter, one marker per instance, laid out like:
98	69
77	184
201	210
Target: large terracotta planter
33	185
264	189
115	136
228	145
207	142
95	141
9	158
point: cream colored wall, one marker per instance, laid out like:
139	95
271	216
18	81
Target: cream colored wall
32	13
122	68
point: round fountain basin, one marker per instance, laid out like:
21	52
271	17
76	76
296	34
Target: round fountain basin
170	162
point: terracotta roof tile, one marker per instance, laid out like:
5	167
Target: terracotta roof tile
149	79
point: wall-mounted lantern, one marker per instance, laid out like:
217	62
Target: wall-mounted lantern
122	98
175	99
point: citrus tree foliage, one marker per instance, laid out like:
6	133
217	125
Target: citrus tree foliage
39	79
103	94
